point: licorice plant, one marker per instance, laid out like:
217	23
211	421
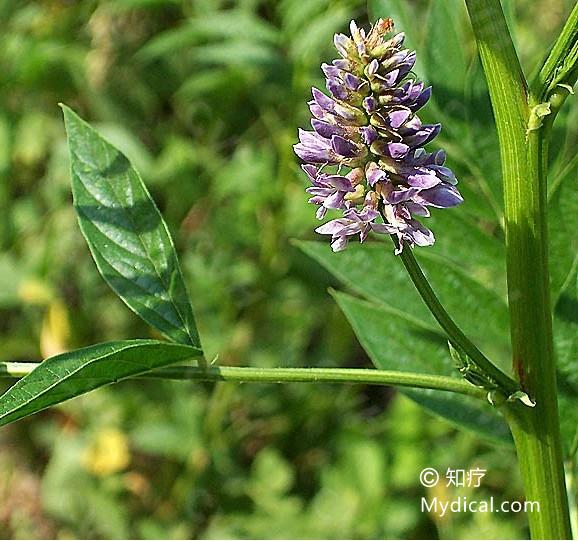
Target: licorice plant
371	174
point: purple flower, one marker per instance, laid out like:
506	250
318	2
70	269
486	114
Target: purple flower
328	191
354	222
365	156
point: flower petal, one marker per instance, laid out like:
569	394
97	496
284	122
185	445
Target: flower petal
401	195
330	71
334	201
334	227
311	171
370	104
374	174
340	183
368	134
423	181
417	209
344	147
418	234
422	99
397	150
326	129
337	89
338	244
397	118
312	155
441	196
325	102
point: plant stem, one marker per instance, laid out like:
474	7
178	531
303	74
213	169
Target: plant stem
536	430
560	67
543	475
289	375
457	338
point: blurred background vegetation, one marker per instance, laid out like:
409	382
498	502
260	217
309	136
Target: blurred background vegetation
205	97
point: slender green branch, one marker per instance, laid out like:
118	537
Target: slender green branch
560	70
289	375
524	152
457	338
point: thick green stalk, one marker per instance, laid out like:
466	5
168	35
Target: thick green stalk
290	375
536	431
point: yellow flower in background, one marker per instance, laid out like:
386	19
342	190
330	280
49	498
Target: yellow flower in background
108	453
55	334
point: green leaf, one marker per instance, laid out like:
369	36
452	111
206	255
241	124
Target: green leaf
480	253
563	264
566	349
395	341
236	54
444	52
373	271
562	227
568	406
313	29
77	372
566	336
225	27
126	233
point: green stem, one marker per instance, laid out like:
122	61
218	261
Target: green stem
543	475
457	338
290	375
560	67
536	430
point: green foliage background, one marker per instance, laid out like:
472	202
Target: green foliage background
205	96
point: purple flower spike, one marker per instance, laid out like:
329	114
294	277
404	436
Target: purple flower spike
365	156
